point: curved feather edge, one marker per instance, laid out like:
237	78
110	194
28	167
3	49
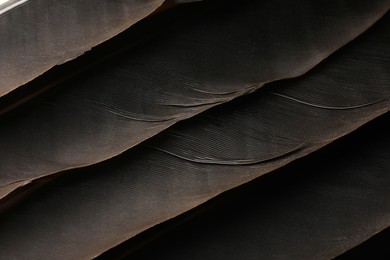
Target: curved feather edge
123	102
315	208
40	34
86	212
375	245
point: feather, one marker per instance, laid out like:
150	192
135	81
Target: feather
82	213
37	35
144	90
376	245
315	208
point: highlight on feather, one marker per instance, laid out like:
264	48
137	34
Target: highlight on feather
6	5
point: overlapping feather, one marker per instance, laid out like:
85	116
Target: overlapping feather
316	208
36	35
173	76
202	157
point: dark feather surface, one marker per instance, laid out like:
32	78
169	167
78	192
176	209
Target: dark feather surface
36	35
83	213
376	245
176	75
315	208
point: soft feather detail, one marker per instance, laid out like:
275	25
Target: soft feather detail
315	208
173	76
37	35
83	213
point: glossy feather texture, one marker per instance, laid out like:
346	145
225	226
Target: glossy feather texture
173	76
198	159
36	35
315	208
